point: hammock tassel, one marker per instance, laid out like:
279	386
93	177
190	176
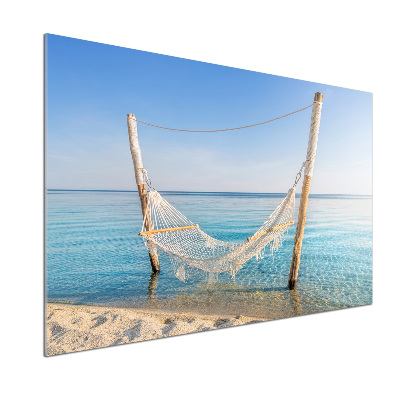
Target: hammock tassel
180	273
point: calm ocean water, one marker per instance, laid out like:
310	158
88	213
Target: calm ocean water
95	256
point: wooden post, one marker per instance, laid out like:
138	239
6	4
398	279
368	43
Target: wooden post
308	172
141	184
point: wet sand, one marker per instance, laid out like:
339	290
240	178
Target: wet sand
72	328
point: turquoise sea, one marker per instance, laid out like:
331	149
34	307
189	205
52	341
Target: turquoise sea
95	256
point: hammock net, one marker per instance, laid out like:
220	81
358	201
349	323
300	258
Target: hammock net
164	227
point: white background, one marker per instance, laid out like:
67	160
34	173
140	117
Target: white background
343	354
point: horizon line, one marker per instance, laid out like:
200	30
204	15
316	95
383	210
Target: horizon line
192	191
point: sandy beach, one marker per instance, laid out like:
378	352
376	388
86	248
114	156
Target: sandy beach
72	328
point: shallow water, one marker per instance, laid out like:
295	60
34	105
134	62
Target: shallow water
95	256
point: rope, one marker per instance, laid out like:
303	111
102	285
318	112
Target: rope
298	176
228	129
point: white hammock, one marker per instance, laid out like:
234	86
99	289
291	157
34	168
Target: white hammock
188	246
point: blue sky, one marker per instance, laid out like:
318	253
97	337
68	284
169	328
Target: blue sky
91	87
